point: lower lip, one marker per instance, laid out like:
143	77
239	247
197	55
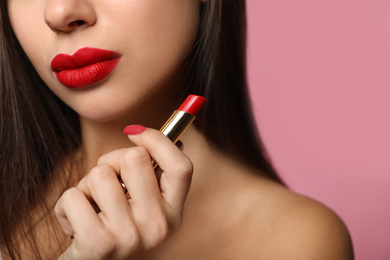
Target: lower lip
88	75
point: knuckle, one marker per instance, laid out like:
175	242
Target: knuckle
131	240
102	159
71	194
160	232
108	157
100	173
103	244
137	153
162	228
185	167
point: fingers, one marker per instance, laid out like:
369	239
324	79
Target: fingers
109	233
102	187
177	168
142	221
137	173
75	214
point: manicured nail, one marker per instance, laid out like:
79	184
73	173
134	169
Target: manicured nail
134	129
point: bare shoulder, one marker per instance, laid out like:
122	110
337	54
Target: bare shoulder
234	212
277	223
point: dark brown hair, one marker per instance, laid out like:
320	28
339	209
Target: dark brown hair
219	74
37	130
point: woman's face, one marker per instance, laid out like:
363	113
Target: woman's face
151	37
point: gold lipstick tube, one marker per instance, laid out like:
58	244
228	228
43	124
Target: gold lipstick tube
177	124
175	127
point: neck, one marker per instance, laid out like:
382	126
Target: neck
102	137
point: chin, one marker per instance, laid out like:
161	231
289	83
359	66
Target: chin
102	115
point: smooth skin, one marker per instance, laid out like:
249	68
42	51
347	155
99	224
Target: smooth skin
231	211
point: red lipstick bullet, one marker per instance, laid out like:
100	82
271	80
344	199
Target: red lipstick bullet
183	117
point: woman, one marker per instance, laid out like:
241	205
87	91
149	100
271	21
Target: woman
132	63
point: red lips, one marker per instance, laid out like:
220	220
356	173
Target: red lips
85	67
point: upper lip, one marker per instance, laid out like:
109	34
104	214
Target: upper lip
81	58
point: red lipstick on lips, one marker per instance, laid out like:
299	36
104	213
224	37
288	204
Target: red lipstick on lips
85	67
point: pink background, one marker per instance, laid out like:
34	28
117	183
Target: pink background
319	73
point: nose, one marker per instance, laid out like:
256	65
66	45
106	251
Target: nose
69	15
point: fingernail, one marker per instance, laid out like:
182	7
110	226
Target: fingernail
134	129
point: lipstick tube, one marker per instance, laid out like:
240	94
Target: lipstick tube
177	124
182	118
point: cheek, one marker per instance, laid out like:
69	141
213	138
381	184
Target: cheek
163	32
28	25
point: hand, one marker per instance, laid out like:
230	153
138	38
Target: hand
107	225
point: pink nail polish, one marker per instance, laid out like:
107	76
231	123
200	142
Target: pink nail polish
134	129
